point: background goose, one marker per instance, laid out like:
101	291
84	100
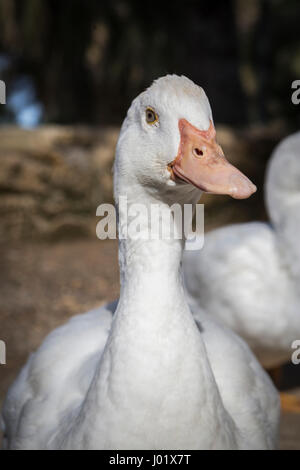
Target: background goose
248	275
150	376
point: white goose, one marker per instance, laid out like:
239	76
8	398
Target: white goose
248	275
151	377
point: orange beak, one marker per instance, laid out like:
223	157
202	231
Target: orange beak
201	162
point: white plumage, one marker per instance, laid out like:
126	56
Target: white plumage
144	372
247	275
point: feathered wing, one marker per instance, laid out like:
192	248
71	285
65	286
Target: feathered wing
68	357
247	393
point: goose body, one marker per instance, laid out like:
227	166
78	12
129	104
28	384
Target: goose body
63	370
247	275
146	372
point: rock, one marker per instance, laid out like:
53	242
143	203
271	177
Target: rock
53	178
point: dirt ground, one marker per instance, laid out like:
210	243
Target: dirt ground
44	284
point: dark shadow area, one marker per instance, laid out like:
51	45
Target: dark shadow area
85	61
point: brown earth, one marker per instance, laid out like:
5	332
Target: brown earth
53	178
42	285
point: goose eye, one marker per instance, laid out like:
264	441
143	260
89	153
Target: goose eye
151	116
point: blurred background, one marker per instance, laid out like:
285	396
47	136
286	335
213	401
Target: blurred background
71	69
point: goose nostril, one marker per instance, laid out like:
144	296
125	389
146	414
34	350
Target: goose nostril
198	152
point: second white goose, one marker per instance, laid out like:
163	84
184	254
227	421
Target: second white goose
248	275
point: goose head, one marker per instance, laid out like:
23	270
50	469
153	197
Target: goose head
168	144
